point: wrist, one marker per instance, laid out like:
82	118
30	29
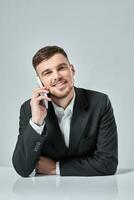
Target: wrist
38	122
53	170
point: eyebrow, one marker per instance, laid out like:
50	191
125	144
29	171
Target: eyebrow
44	71
48	70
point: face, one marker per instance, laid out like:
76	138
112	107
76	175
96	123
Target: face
57	75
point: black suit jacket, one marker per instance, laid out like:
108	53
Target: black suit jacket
93	138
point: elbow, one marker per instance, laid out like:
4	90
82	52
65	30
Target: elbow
111	168
111	171
23	174
20	168
20	171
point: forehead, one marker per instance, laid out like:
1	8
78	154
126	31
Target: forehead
52	62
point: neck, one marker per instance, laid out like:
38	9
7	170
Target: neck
64	102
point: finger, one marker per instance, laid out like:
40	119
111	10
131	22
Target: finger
44	89
40	98
46	97
38	92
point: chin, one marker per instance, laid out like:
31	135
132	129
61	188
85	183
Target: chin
61	94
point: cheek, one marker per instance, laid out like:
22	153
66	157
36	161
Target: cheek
46	83
71	77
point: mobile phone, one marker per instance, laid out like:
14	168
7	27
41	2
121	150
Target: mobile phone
41	85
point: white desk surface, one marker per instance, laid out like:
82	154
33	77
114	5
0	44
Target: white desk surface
117	187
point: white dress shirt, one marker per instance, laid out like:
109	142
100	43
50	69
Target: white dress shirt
64	118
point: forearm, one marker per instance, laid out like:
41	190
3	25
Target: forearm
89	166
27	151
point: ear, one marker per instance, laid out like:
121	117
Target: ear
72	68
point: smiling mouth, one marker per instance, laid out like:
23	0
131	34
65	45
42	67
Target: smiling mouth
60	84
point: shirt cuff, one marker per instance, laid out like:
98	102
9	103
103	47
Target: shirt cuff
37	128
57	168
33	173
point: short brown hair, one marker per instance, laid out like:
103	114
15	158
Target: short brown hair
45	53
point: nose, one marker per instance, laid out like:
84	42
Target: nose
56	75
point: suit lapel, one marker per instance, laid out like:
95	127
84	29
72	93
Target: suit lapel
54	133
79	120
77	127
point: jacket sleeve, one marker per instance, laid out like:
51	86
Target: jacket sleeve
104	160
27	148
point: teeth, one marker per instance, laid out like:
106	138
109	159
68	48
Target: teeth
59	84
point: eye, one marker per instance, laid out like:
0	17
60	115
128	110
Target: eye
62	67
47	73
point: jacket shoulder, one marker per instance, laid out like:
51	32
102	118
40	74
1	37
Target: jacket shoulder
25	107
94	98
92	93
26	104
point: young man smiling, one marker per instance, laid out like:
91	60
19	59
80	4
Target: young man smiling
76	135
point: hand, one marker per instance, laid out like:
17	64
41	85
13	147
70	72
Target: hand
39	111
46	166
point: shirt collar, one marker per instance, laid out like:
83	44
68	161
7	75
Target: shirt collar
67	111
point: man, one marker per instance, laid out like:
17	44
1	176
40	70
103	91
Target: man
76	135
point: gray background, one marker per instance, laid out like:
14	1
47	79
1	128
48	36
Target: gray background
98	36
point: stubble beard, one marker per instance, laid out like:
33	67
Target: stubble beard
56	95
